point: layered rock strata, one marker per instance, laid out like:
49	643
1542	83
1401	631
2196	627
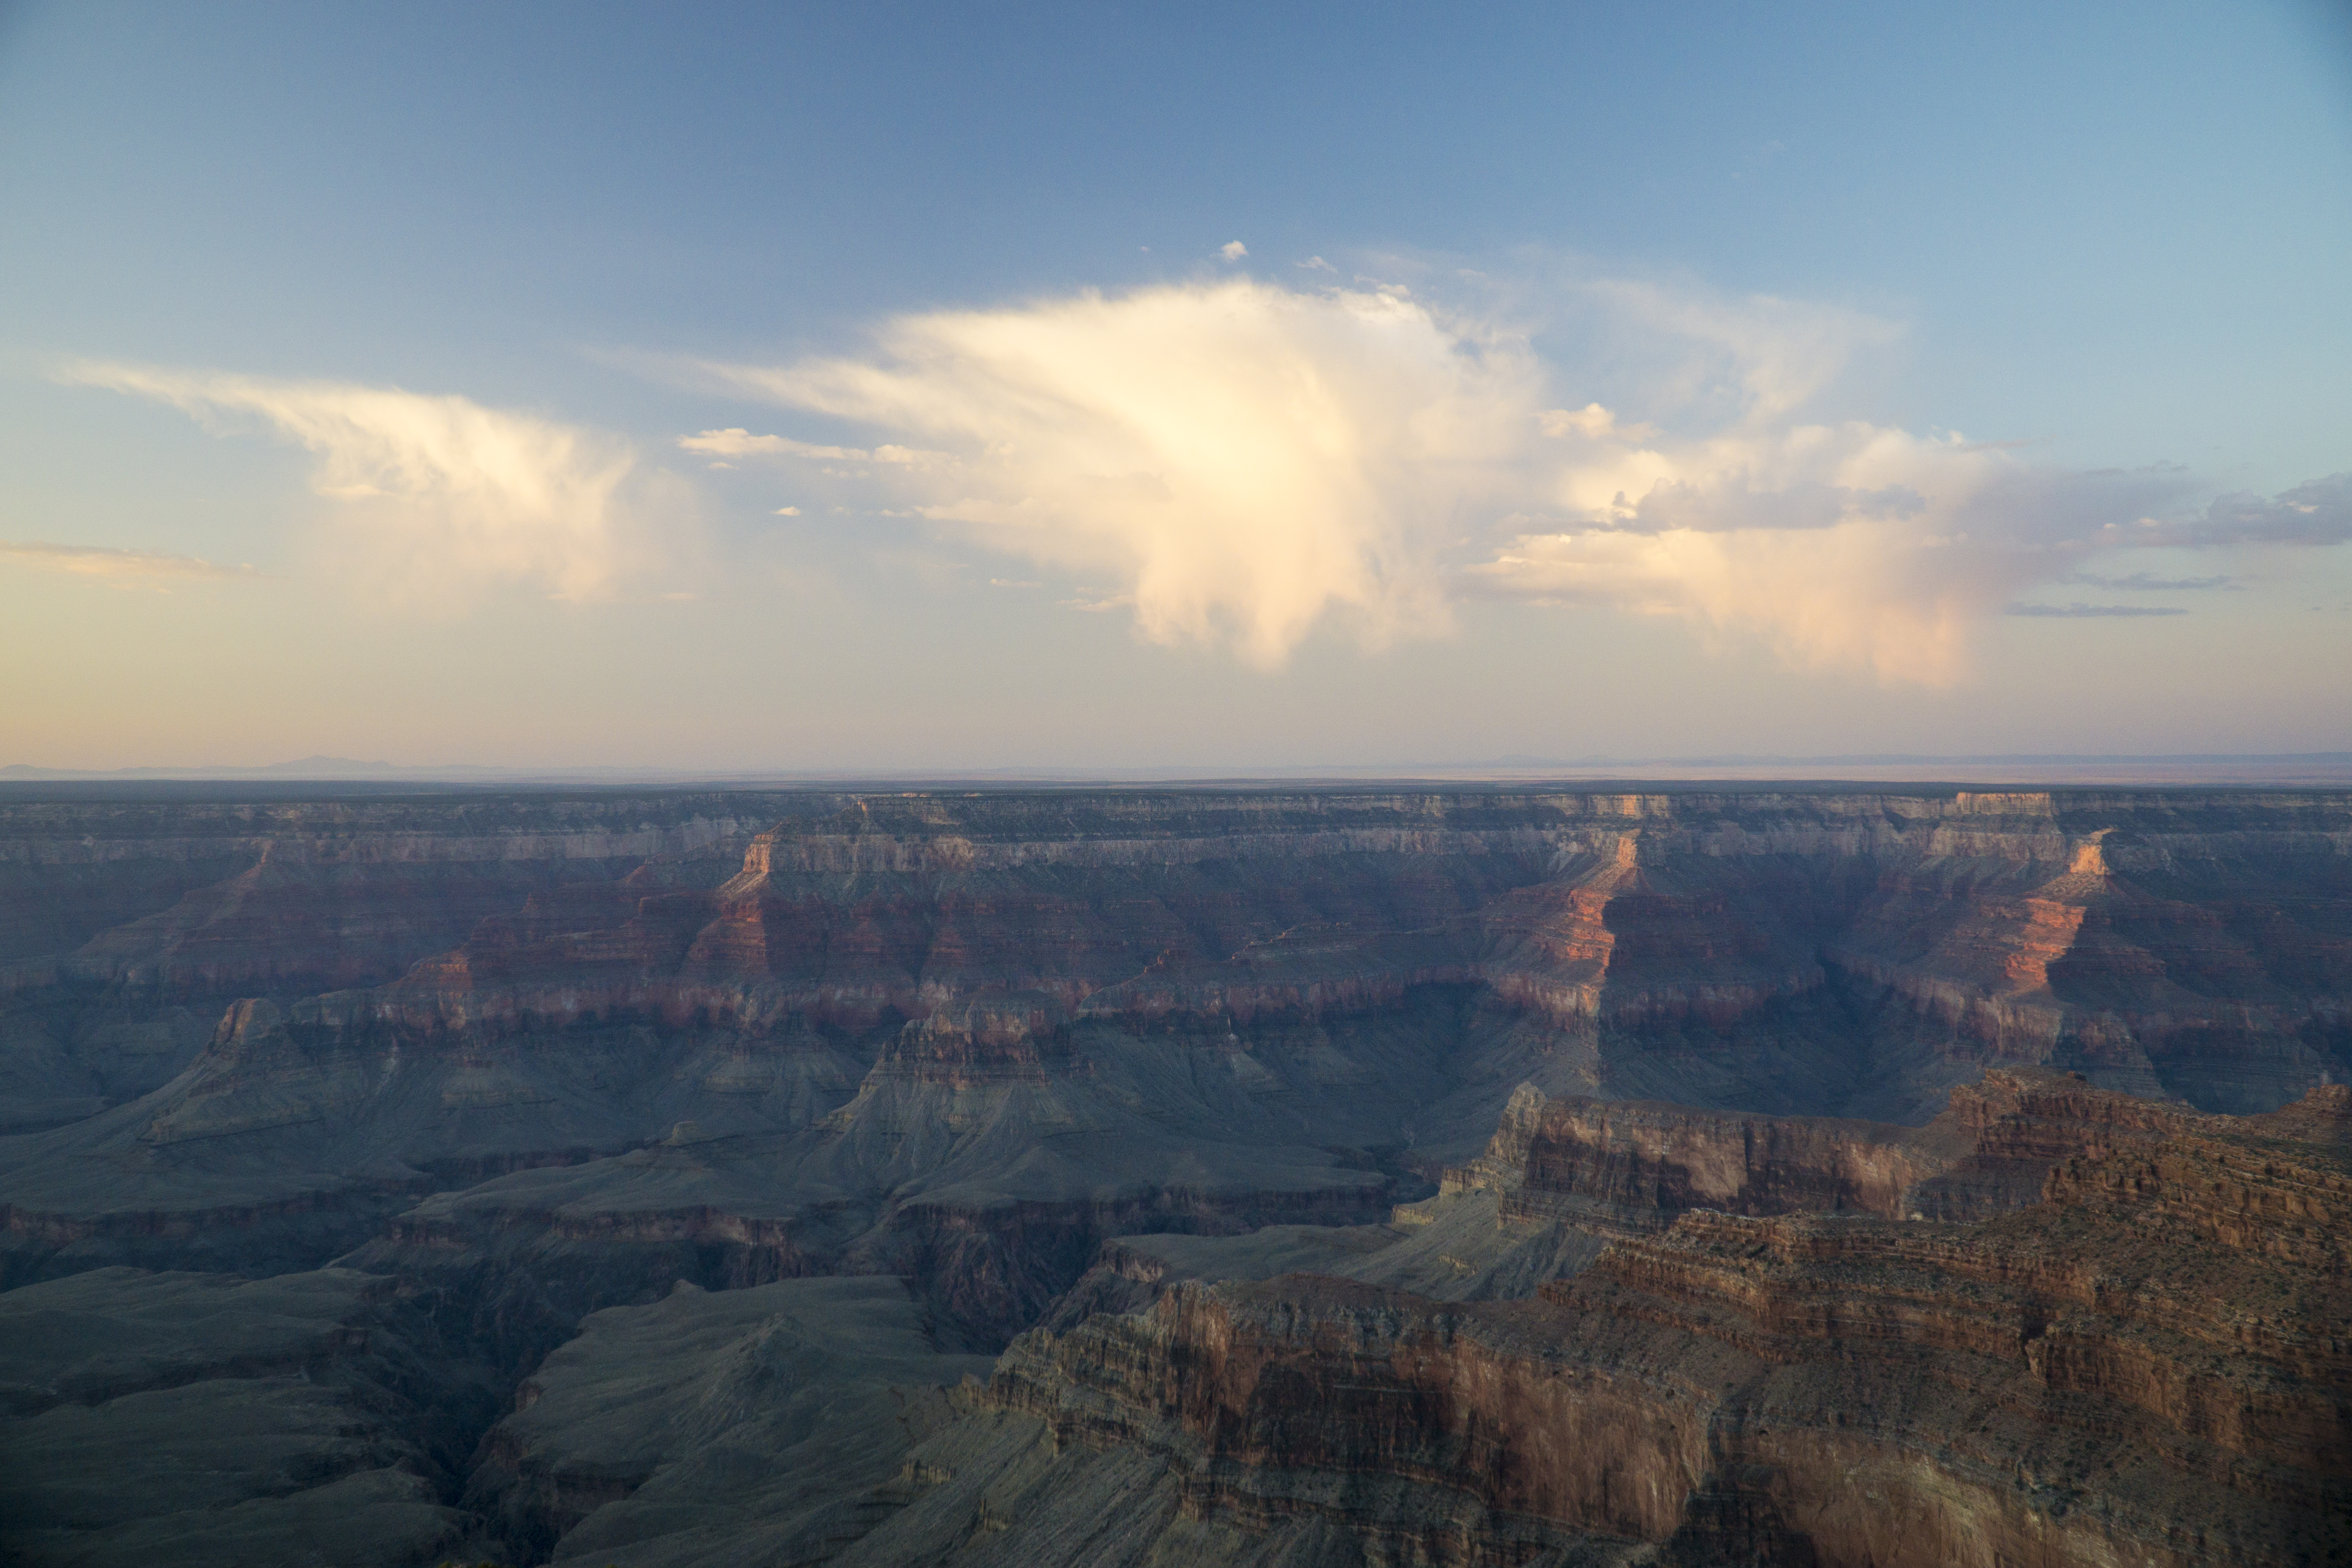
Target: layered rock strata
1564	1174
2148	1366
1770	952
536	1055
1628	1168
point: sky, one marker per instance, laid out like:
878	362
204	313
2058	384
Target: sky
889	387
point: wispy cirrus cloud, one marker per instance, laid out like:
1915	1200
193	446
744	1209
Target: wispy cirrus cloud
124	567
2148	582
437	496
741	443
2079	611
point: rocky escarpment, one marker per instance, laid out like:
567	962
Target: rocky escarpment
1564	1174
2087	930
2145	940
1629	1168
913	995
128	918
2148	1366
1792	952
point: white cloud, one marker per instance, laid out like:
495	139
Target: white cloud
1232	250
1593	423
440	496
122	567
1244	457
788	511
741	443
1839	547
1243	460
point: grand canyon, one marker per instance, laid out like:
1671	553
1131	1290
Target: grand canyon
1310	1177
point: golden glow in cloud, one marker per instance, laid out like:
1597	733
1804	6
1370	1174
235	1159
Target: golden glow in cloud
438	496
1850	547
1239	461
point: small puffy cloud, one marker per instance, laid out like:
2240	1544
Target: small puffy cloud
1593	423
2079	611
788	511
741	443
1316	263
152	567
1232	250
441	496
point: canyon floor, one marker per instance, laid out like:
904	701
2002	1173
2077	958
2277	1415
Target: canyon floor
1774	1175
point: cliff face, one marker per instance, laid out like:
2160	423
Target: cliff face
1563	1175
922	993
1630	1167
1627	1167
2201	941
2147	1366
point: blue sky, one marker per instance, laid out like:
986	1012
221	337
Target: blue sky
1641	334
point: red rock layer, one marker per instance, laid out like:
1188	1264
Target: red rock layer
1998	934
1630	1167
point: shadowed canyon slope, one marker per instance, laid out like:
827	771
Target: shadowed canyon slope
1574	1099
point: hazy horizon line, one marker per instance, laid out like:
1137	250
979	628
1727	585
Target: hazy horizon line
1728	766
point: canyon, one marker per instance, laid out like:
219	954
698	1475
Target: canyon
1399	1176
